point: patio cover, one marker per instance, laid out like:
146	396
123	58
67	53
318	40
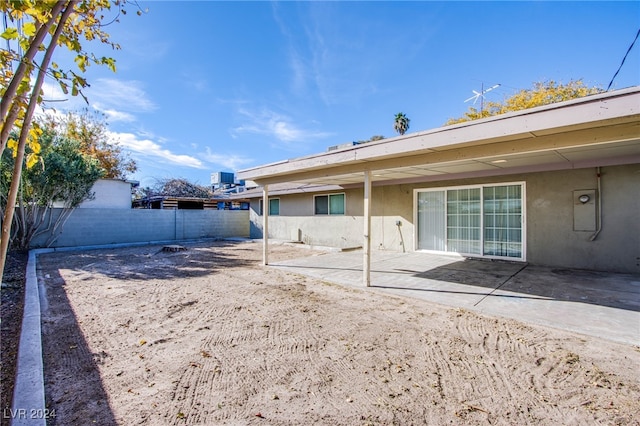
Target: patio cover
597	130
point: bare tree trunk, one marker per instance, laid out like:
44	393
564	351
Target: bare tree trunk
36	220
42	215
11	118
58	225
26	125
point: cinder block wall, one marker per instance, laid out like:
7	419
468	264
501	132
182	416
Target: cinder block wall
115	226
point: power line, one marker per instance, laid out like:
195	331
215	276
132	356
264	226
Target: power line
623	59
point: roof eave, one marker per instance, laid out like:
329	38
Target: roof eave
612	108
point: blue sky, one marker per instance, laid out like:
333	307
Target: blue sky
207	86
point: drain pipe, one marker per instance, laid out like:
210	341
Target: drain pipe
599	198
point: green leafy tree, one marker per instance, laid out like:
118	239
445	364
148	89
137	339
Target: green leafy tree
64	176
401	124
38	27
91	131
542	93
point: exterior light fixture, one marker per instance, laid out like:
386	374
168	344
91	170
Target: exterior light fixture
584	198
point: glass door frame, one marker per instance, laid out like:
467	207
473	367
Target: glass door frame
481	186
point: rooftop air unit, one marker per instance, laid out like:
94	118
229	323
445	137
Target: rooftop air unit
222	178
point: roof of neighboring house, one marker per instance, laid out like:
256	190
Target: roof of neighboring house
172	197
285	188
596	130
213	199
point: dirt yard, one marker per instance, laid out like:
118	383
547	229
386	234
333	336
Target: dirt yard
209	336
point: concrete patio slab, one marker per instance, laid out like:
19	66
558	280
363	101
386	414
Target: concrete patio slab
603	305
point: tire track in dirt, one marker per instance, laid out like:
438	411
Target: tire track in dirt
519	360
467	364
512	373
212	337
267	343
487	364
329	376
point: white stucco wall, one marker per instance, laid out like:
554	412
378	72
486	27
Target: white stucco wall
109	193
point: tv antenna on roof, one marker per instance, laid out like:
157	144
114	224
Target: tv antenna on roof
480	95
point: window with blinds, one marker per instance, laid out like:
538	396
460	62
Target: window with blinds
482	220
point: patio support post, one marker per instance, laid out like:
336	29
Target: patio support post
265	225
366	244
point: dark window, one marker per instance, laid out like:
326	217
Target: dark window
329	204
274	207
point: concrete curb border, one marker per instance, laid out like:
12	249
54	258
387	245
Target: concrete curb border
28	406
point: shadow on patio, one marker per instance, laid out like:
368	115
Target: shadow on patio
597	303
519	280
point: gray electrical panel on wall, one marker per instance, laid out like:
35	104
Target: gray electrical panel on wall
584	210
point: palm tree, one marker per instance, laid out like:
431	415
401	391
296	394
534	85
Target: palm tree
401	124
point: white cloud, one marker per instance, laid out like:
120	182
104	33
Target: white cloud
278	126
299	70
228	161
193	81
119	95
340	64
147	148
116	116
118	100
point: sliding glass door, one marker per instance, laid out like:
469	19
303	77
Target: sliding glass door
463	221
431	221
483	221
503	221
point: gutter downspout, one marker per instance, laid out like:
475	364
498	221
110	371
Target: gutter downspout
599	202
